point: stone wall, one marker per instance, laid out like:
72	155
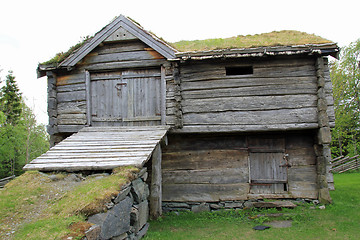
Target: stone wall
127	214
222	205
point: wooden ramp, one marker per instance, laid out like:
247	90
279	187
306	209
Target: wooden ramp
101	148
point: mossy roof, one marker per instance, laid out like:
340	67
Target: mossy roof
272	39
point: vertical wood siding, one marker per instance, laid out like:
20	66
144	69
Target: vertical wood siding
124	57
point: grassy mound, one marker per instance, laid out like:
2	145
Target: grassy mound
33	206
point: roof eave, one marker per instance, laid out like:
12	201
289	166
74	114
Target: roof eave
327	49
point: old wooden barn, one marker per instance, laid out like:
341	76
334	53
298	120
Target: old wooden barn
232	123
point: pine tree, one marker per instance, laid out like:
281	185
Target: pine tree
11	100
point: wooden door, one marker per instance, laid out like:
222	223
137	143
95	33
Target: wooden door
125	98
268	166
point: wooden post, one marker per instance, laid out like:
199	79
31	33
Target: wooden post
156	180
88	98
323	136
163	96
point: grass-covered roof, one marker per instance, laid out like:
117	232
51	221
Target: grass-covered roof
275	38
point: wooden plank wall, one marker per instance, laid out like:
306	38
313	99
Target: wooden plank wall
215	167
70	86
205	168
281	94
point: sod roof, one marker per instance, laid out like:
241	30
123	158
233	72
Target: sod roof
272	39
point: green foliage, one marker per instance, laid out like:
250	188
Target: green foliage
11	100
345	77
276	38
21	138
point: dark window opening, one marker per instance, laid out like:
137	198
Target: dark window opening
239	70
285	187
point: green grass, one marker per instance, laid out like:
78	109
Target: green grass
340	220
31	201
276	38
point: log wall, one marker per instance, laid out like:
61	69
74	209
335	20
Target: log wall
212	168
281	94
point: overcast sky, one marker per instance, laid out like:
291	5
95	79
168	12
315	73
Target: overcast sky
34	31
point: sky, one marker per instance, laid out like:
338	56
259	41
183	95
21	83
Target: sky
33	31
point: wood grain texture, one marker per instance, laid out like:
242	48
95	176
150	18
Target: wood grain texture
100	149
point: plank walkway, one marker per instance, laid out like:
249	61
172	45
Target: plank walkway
101	148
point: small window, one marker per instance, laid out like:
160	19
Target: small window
239	70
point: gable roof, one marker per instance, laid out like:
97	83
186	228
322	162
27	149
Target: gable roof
285	42
130	26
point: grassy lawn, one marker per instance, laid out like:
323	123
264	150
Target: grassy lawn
340	220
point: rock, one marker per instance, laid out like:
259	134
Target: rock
141	172
316	202
203	207
122	195
109	205
139	190
280	224
73	178
93	232
98	175
114	222
322	207
143	231
275	204
121	237
145	176
261	227
234	205
176	205
248	204
215	206
143	215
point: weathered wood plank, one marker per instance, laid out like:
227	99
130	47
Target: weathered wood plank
71	96
69	128
122	56
120	47
125	64
235	81
217	128
204	159
77	107
248	103
207	176
201	74
156	184
281	116
205	192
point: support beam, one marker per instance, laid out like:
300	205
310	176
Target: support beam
156	180
322	148
88	100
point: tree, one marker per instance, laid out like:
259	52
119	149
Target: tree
11	100
21	138
345	77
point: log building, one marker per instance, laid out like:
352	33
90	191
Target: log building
242	123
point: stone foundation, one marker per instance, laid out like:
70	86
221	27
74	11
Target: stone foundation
127	214
221	205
